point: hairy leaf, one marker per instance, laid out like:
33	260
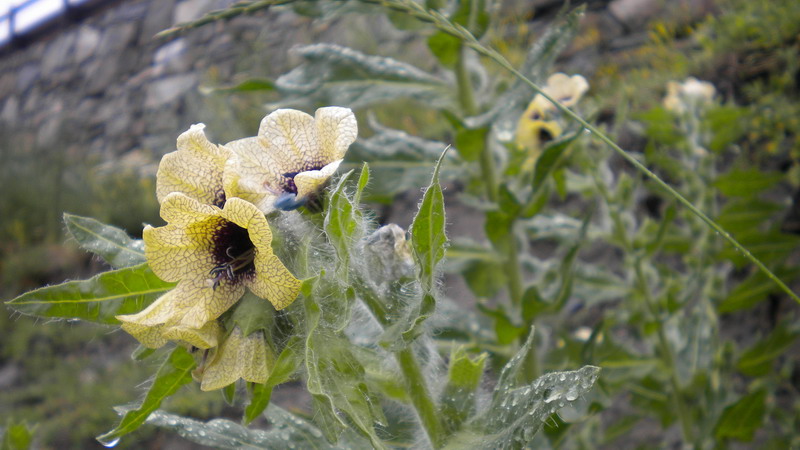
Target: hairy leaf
428	238
336	75
98	299
518	410
288	362
336	381
457	400
287	430
174	373
399	160
110	243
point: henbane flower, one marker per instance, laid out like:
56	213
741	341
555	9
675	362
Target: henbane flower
240	356
214	254
565	89
292	157
195	169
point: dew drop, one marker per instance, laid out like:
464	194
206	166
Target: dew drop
109	444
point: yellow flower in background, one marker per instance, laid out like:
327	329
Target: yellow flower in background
246	357
195	169
292	157
565	89
691	94
214	254
533	135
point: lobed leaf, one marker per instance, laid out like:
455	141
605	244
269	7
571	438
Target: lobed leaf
336	382
288	362
287	430
336	75
98	299
175	372
110	243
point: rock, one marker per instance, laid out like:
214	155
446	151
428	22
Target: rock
58	53
86	43
27	76
165	90
158	18
10	114
189	10
116	38
172	57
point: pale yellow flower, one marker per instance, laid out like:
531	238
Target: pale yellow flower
565	89
195	169
246	357
692	93
292	157
214	254
533	135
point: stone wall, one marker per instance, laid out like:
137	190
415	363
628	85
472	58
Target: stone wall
107	86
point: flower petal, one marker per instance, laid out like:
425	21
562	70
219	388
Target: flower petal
248	357
272	280
291	140
337	129
311	181
195	169
246	177
183	248
191	304
155	336
180	209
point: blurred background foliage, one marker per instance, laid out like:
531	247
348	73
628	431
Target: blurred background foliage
695	345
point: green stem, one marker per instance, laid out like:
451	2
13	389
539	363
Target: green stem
417	389
666	353
415	383
466	98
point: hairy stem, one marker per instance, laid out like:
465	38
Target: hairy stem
417	389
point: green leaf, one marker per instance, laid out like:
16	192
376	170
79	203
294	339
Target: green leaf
110	243
98	299
363	180
336	381
250	85
336	75
457	400
754	290
484	278
741	419
505	330
552	158
287	364
428	238
286	430
517	410
16	436
445	48
746	183
174	373
757	360
400	161
741	215
252	313
470	143
229	394
341	224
